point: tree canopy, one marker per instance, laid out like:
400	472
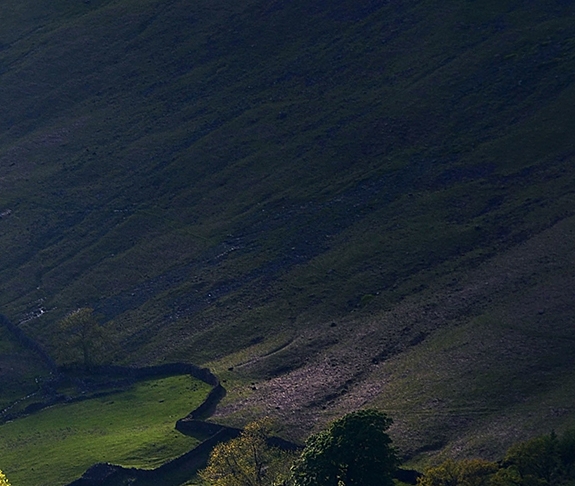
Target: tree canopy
354	450
247	460
3	479
82	338
541	461
467	472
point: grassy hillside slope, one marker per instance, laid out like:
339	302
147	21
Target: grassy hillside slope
375	194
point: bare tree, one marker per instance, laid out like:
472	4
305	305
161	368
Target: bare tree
82	337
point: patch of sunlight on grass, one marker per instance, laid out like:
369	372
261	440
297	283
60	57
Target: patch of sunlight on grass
133	428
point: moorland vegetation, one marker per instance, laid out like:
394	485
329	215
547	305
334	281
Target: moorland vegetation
333	204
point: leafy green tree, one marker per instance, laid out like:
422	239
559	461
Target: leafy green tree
247	460
541	461
536	461
467	472
82	337
354	450
3	479
506	476
566	450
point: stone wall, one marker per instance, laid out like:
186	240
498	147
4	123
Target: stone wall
28	342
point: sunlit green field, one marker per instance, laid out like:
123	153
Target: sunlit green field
132	428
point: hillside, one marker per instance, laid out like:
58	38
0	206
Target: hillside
332	204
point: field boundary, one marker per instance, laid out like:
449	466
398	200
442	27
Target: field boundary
106	474
27	342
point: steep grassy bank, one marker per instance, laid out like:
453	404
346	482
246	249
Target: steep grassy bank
225	182
478	362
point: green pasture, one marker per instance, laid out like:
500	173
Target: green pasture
132	428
